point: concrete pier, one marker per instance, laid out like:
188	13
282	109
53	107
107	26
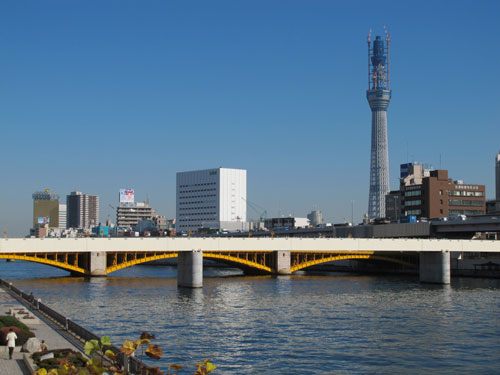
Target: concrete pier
97	264
282	262
190	269
435	267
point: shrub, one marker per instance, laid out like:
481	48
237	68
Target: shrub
67	355
9	321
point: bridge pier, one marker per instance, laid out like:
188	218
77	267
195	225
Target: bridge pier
282	262
97	263
435	267
190	269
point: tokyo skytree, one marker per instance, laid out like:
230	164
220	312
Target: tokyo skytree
378	95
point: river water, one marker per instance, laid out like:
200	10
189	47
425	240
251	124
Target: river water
305	324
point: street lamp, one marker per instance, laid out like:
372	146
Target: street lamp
352	212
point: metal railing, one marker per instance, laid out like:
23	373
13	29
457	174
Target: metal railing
131	364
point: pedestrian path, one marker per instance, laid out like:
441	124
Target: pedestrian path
52	335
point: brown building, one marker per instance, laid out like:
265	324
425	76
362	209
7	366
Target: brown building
45	208
438	196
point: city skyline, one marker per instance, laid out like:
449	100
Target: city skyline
97	97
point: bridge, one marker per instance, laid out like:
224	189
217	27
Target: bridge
102	256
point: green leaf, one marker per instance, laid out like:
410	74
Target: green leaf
91	346
210	366
105	341
110	354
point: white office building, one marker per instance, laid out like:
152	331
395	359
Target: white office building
62	216
211	199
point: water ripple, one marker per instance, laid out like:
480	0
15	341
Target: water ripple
304	324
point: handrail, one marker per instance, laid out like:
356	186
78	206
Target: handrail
133	365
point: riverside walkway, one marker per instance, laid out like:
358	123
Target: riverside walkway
52	335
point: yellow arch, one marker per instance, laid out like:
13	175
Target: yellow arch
333	258
50	262
133	262
237	260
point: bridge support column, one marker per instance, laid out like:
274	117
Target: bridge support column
97	263
190	269
282	262
435	267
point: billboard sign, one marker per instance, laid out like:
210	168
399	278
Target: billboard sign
127	195
42	220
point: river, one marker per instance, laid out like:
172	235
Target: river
304	324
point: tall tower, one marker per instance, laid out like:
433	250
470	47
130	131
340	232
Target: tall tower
378	95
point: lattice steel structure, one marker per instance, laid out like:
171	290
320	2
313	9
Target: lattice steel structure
378	95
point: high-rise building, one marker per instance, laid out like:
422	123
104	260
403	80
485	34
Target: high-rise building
82	210
378	95
62	216
211	199
45	209
497	176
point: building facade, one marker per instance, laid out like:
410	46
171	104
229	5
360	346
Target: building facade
439	196
289	222
211	199
62	216
393	205
82	210
379	96
129	214
45	209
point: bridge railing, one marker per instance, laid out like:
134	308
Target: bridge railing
133	365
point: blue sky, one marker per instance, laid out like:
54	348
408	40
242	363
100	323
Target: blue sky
100	95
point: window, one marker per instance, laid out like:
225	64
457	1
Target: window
465	202
417	202
412	193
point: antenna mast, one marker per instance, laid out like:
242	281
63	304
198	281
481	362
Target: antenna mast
369	41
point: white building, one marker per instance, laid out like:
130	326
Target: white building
211	198
62	216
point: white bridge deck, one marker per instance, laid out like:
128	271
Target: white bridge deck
231	244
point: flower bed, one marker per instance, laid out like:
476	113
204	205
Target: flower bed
60	357
22	331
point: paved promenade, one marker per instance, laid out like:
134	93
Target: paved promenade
52	335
